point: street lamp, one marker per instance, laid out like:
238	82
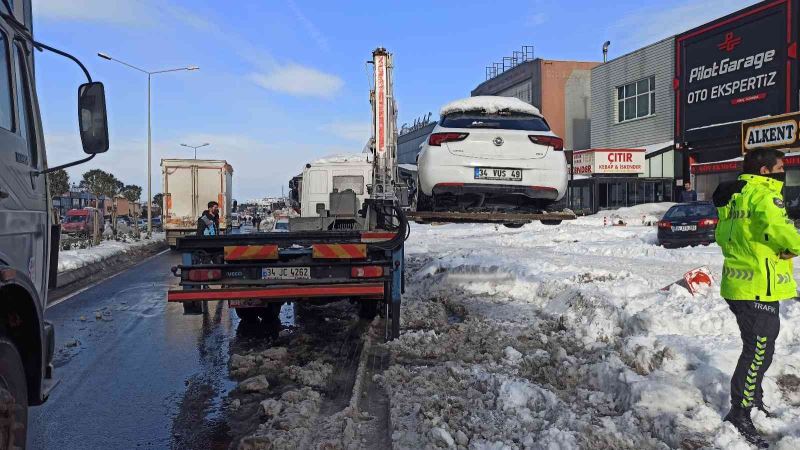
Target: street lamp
149	140
195	147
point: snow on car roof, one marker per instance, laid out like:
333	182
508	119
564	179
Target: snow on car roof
490	104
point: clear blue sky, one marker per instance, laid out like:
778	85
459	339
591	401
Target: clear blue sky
284	81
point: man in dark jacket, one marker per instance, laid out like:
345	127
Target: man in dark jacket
688	195
208	223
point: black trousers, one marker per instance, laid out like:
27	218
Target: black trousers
759	325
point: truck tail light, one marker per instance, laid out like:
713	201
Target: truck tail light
550	141
436	139
708	223
664	224
366	272
205	274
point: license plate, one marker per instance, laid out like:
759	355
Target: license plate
685	228
482	173
286	273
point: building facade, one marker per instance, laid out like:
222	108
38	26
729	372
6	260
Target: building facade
736	68
560	89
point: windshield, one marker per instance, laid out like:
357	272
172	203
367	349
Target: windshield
680	212
76	219
496	121
282	226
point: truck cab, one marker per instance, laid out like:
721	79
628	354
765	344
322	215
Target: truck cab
29	229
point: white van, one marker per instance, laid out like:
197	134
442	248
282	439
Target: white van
334	174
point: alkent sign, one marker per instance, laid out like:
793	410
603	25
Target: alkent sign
779	132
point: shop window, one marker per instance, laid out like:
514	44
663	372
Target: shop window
636	100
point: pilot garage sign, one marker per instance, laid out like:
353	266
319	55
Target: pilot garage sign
737	68
608	161
778	132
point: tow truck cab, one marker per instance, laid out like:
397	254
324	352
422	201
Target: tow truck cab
29	230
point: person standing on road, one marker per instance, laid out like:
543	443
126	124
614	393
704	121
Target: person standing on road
687	194
758	241
257	222
208	223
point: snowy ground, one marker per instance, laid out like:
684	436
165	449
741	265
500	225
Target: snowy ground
559	337
75	259
544	337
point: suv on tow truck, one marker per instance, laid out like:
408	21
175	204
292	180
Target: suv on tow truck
29	229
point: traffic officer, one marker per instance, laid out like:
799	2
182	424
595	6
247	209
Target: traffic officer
758	241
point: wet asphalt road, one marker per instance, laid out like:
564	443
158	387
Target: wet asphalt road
143	375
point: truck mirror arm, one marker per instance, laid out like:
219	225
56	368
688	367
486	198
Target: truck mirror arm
63	166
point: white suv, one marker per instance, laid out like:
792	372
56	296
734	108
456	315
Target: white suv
490	153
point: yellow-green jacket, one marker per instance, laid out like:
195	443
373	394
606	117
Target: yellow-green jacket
753	231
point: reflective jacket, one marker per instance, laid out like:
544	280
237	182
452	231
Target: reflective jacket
753	231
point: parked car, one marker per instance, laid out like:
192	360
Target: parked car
490	152
82	222
688	224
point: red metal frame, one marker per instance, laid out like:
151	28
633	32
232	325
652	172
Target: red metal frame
370	290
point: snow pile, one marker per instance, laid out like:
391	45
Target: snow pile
560	337
75	259
488	104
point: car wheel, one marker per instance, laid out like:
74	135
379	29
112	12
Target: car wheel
513	225
551	222
13	397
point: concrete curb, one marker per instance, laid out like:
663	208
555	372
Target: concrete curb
71	276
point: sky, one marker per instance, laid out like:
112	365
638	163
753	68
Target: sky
284	82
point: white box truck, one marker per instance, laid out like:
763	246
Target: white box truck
189	184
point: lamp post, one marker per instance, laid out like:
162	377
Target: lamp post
195	147
149	140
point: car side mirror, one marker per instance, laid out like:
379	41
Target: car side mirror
92	117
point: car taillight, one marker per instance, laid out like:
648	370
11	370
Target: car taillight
436	139
551	141
708	223
664	224
205	274
366	272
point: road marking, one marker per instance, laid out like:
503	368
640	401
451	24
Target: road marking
84	289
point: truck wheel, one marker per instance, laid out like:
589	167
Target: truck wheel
551	222
13	398
248	315
513	225
192	308
271	313
367	309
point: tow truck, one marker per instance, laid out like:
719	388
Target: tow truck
350	251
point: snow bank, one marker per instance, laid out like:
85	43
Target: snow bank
490	105
75	259
560	337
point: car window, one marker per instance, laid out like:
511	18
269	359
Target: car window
24	106
679	212
495	121
6	109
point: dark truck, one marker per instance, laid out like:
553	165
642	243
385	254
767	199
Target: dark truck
257	273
